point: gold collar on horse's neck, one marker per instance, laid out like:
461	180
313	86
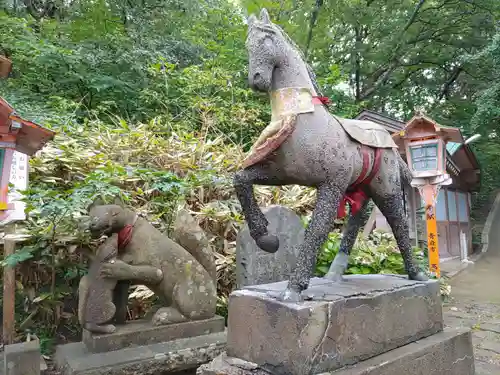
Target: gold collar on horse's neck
291	101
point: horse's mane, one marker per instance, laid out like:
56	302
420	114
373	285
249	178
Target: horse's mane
276	29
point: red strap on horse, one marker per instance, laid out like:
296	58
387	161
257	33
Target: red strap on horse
357	196
324	100
125	235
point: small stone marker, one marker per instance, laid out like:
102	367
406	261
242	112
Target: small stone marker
254	266
22	358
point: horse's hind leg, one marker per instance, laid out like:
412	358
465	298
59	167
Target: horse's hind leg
257	223
339	264
391	207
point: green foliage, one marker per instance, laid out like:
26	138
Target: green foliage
150	102
395	55
376	254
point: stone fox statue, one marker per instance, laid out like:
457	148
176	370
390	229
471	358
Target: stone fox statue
183	276
97	310
343	159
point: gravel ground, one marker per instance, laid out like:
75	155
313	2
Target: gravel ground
475	303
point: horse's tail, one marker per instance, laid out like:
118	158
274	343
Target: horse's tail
404	171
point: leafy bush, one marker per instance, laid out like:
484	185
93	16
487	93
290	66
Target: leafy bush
154	172
376	254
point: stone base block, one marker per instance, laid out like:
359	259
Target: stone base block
154	359
445	353
342	323
141	332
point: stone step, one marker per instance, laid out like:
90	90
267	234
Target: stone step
444	353
483	368
142	332
344	323
173	356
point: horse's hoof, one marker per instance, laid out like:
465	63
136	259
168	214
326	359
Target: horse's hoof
290	295
419	276
268	243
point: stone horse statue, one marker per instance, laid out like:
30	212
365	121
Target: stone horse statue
347	161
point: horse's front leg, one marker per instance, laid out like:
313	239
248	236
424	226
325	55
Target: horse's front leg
257	223
322	221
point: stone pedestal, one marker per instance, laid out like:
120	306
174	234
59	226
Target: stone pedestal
445	353
139	332
139	348
343	324
379	324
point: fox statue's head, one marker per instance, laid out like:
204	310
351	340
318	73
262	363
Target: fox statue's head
106	219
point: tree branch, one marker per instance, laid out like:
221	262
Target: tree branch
382	81
312	24
357	63
382	75
413	17
31	9
447	85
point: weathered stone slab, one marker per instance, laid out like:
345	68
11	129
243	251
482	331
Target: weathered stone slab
445	353
254	266
492	327
225	365
483	368
22	358
174	356
344	323
492	346
141	332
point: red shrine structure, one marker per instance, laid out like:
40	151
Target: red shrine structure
16	134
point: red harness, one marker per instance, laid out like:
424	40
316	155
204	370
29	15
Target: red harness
356	195
321	100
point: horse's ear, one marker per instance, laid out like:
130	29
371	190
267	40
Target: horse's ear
251	20
264	16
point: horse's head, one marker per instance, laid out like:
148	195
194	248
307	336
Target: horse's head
266	49
272	51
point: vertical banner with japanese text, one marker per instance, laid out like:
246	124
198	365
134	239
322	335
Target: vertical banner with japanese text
19	180
432	240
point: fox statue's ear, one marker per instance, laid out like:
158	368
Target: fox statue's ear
264	16
118	201
97	202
